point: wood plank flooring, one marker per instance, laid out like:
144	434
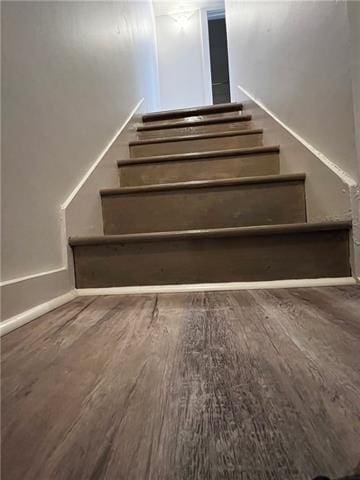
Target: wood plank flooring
240	385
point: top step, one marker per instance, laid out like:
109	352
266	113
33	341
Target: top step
193	122
191	112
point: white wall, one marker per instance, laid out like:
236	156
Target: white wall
183	53
295	58
298	63
181	77
72	73
354	18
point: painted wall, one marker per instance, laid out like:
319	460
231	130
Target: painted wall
354	19
71	74
295	58
183	53
298	62
180	62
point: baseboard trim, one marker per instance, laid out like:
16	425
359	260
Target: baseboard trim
22	318
65	205
213	287
68	201
101	156
30	277
29	286
345	177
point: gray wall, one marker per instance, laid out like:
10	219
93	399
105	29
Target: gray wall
72	73
295	58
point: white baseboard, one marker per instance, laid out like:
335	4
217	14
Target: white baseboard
212	287
87	174
352	186
25	317
25	298
344	176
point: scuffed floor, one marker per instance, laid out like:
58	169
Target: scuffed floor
223	385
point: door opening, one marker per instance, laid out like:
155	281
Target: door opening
219	63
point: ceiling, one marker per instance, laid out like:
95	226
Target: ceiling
165	7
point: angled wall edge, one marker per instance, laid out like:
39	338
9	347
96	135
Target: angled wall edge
331	193
25	298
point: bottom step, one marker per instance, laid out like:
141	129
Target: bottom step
221	255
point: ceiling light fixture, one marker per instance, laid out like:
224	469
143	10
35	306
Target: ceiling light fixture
182	18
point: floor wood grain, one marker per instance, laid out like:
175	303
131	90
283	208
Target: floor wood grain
253	385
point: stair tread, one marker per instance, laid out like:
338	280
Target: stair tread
198	136
192	111
205	184
201	155
262	230
194	123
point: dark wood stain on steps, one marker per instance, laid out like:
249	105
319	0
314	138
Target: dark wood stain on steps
190	112
185	138
158	207
272	199
201	155
194	123
244	254
200	166
253	385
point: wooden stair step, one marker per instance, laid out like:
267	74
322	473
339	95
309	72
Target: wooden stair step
261	231
271	199
186	138
193	118
190	112
209	165
196	143
189	185
201	155
198	125
193	122
217	255
195	130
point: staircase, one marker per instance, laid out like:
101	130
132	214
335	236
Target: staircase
202	200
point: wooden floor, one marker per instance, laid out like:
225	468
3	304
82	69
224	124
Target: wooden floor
231	385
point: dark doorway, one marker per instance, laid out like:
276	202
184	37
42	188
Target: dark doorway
218	58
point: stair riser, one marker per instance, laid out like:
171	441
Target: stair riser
172	132
209	169
230	259
204	208
195	145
